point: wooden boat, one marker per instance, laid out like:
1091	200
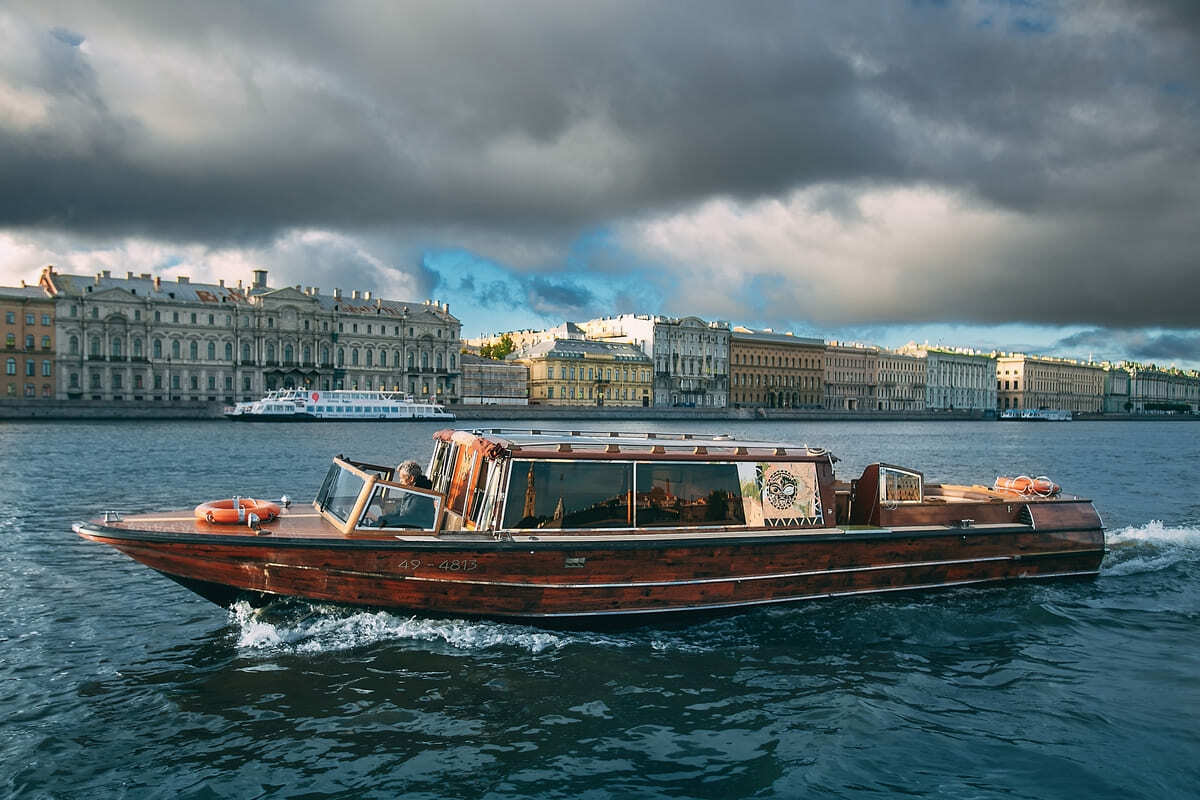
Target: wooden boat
545	524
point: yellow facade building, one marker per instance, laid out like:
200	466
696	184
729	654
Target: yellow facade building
578	372
1036	382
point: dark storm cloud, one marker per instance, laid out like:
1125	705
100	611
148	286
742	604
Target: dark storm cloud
1161	348
229	123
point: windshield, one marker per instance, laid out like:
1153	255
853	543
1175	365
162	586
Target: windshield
340	492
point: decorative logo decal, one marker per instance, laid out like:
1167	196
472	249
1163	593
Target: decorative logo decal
780	489
316	396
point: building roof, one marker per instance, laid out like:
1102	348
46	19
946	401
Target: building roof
183	290
24	293
580	348
771	337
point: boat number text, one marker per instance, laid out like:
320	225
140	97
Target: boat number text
450	565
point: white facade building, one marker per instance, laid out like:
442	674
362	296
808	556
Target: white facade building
956	379
690	355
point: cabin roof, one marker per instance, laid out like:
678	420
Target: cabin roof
562	442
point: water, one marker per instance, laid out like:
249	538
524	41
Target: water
115	682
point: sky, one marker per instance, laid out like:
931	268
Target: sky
1017	175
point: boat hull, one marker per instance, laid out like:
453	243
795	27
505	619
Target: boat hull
639	575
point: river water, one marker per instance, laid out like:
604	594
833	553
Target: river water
115	682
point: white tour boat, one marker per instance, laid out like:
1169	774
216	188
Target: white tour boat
1036	415
311	405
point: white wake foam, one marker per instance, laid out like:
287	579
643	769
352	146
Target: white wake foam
331	629
1150	547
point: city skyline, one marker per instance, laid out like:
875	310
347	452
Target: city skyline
1004	176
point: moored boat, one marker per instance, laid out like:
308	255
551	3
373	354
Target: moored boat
545	524
311	405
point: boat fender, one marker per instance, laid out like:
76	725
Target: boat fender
237	510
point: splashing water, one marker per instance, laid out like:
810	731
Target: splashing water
330	628
1150	548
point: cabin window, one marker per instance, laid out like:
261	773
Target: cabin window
394	507
688	494
340	492
900	485
568	494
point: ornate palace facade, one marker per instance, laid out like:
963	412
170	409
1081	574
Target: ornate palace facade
143	338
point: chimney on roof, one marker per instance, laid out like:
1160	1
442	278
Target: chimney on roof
107	273
316	290
99	275
182	279
447	308
366	295
158	283
128	276
337	293
221	283
260	279
354	294
145	276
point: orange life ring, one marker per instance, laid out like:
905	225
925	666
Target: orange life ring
235	510
1025	485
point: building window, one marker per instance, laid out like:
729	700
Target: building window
74	380
245	351
29	319
175	348
137	348
116	348
73	346
46	369
10	317
10	367
212	351
229	351
10	340
30	366
195	382
29	341
194	350
158	348
95	346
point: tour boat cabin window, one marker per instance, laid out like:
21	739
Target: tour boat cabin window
568	494
394	507
688	495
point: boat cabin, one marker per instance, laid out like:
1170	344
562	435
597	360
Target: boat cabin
505	483
538	484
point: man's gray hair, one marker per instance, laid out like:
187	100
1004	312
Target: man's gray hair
410	467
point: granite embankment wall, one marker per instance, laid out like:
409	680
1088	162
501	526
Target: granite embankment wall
97	410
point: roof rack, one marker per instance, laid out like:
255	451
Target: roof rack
657	441
667	435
